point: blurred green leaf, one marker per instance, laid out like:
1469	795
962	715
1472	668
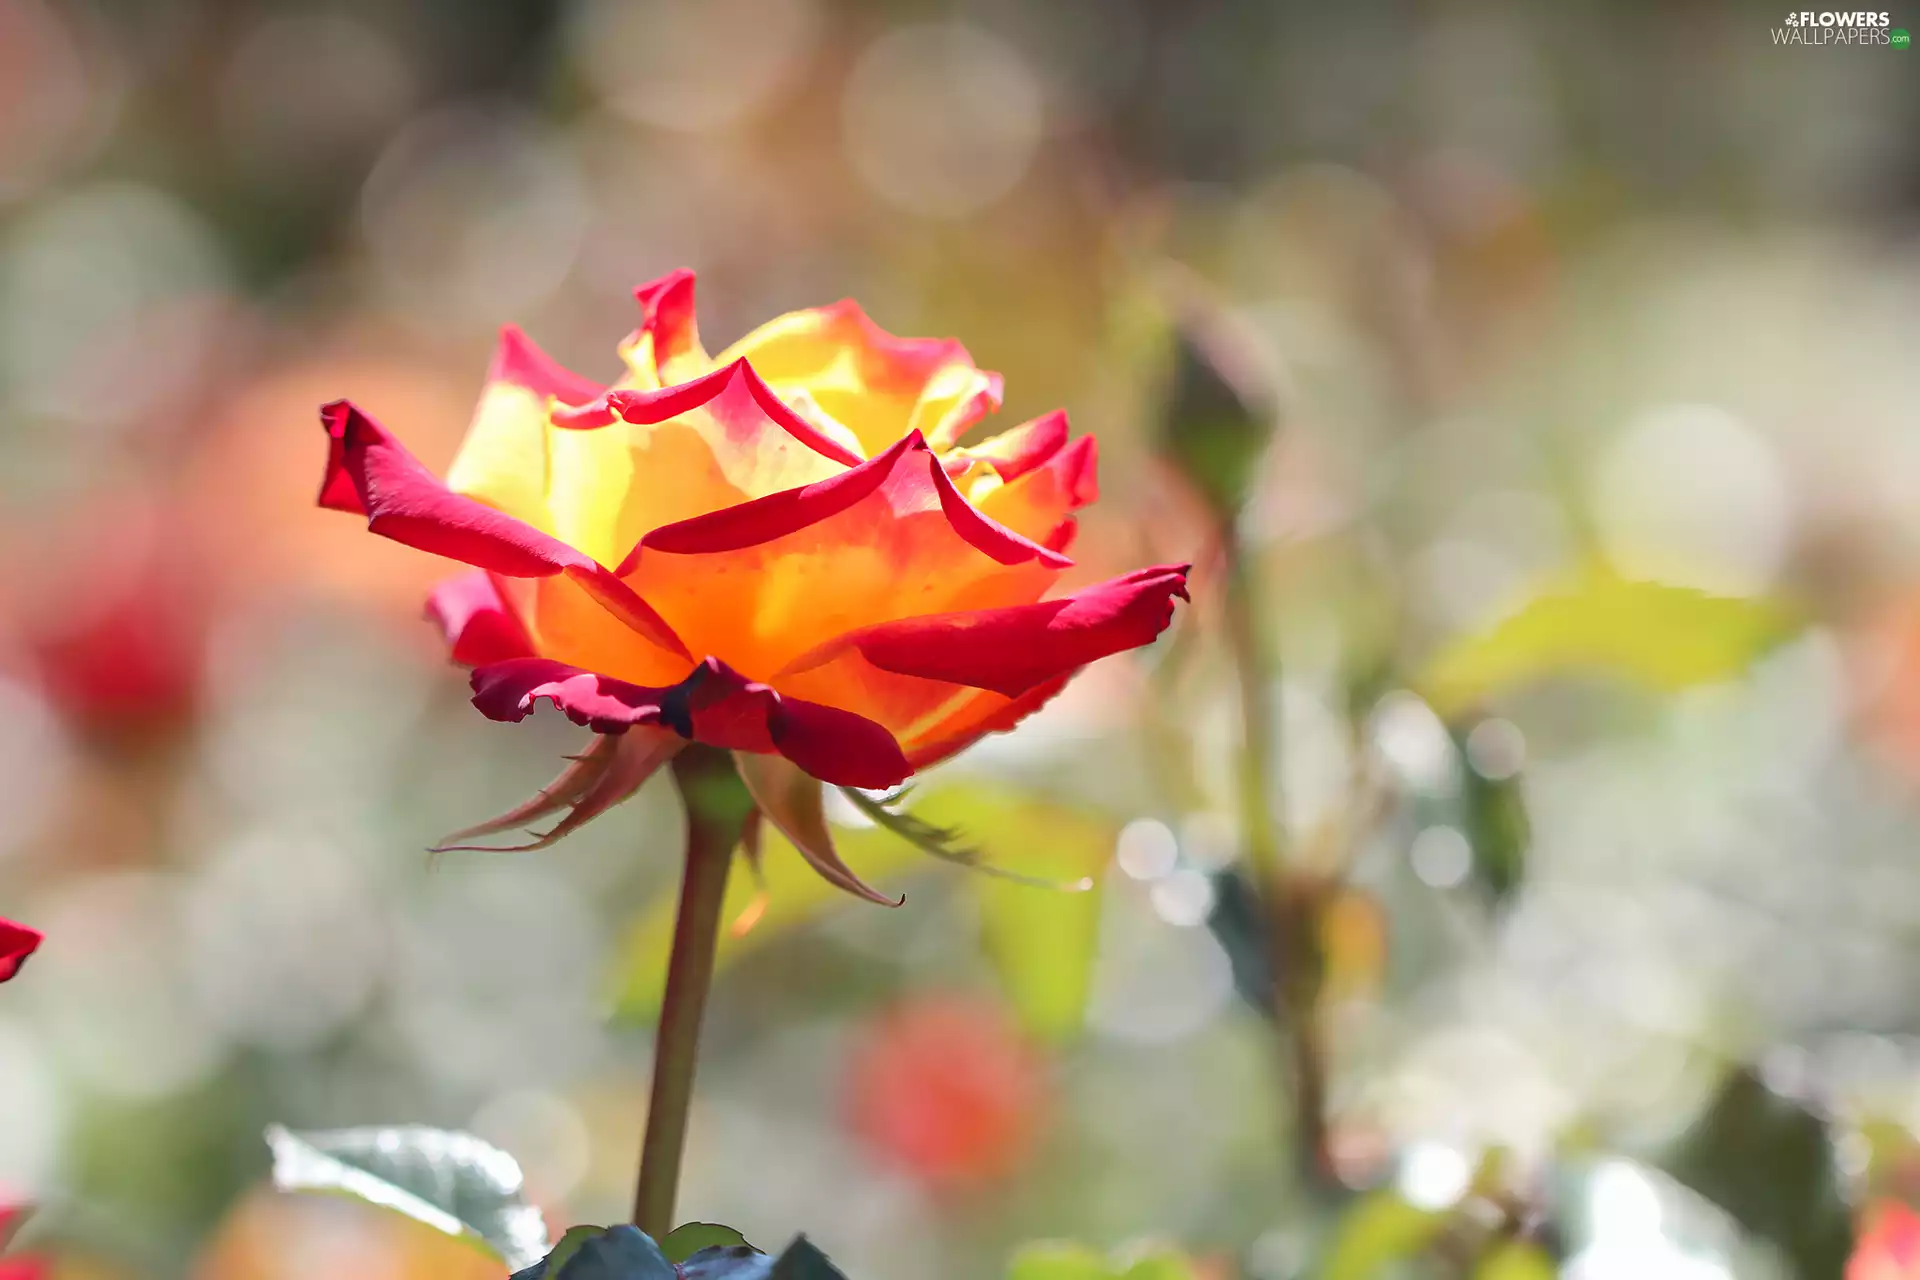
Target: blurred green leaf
1379	1231
450	1181
1059	1260
1660	636
795	893
689	1238
1042	940
1493	814
1516	1260
1769	1162
612	1253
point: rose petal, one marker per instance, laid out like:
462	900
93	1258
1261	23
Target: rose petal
503	460
1012	650
666	348
1039	502
974	718
370	472
765	581
875	384
714	705
1015	452
17	942
790	799
477	623
637	460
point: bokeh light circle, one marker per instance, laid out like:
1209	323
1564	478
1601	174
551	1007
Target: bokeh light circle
942	119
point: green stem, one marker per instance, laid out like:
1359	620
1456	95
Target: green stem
717	807
1292	901
1260	741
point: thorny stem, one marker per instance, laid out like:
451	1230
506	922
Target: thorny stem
1292	901
717	808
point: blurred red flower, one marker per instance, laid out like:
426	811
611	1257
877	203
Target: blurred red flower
1889	1245
119	654
947	1089
24	1266
17	942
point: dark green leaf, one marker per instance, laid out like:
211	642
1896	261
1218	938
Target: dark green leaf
453	1182
803	1261
727	1262
1769	1162
690	1238
1493	815
618	1253
1239	922
569	1245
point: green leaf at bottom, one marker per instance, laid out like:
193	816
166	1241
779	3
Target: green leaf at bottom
450	1181
690	1238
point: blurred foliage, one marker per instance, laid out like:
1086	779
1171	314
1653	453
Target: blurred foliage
690	1238
626	1253
1042	939
1661	636
1061	1261
1377	1234
452	1182
1510	347
1769	1161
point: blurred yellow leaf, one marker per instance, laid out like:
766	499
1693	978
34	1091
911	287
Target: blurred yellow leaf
1380	1231
1660	636
1516	1260
1057	1260
1042	940
795	895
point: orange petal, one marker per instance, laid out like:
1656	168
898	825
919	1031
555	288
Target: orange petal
790	799
876	385
922	677
1038	502
764	582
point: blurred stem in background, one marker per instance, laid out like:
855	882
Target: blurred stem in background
1222	407
718	808
1291	895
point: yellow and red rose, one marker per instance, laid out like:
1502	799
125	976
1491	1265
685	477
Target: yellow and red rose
782	551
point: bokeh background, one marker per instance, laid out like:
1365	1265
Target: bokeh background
1556	312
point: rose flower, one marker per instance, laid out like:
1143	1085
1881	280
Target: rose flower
782	551
17	942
